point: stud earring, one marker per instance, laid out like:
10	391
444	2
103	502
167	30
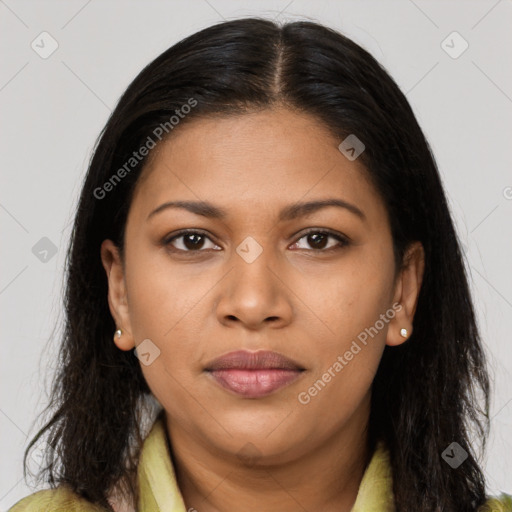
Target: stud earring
403	333
118	334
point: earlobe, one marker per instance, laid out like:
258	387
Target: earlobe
123	341
407	290
117	299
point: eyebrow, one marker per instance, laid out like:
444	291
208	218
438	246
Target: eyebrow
209	210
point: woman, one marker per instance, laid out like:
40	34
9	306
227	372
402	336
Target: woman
264	231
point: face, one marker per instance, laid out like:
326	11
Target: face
318	285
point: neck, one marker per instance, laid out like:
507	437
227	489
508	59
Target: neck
326	477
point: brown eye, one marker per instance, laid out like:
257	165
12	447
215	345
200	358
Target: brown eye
191	241
319	241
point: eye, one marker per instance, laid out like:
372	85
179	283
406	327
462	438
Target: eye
317	239
192	241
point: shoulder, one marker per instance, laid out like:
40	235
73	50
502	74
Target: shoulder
501	503
60	499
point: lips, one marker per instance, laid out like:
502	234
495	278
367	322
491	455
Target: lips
253	374
245	360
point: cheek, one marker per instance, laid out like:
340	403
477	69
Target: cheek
354	303
352	296
163	307
160	295
347	358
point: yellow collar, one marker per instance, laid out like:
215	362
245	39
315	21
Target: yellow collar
159	490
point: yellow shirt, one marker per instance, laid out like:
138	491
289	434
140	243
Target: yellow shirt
159	491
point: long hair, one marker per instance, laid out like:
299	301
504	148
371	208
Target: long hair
428	392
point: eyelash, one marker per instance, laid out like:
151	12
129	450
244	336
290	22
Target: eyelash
344	241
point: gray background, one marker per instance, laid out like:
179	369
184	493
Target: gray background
53	109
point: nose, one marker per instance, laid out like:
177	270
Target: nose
255	292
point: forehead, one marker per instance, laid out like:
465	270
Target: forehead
255	160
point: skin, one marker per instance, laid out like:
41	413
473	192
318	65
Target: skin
308	305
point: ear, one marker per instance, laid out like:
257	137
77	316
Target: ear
407	290
117	298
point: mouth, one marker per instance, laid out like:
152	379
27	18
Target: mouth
254	374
